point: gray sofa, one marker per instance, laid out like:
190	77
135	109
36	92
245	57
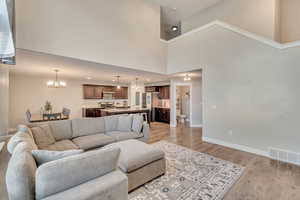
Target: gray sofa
90	175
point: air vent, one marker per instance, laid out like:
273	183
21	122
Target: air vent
284	156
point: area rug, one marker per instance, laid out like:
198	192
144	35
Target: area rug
190	175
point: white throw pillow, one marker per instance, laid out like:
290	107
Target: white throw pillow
18	138
43	135
125	123
137	123
44	156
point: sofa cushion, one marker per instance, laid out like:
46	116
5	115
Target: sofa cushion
137	123
93	141
44	156
20	175
62	145
120	136
88	126
18	138
61	130
124	123
42	135
63	174
111	123
136	154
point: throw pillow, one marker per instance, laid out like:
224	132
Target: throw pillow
125	123
137	123
43	135
18	138
44	156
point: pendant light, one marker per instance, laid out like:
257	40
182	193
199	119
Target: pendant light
118	82
56	83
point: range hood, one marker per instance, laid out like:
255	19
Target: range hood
7	46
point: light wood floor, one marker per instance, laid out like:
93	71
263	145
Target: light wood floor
263	178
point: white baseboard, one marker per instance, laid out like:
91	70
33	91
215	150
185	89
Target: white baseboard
196	125
173	125
236	146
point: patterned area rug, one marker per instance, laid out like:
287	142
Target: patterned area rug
190	175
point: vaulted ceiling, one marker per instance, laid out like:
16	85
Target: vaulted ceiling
177	10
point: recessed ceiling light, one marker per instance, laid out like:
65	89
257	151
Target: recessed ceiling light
174	28
114	80
88	78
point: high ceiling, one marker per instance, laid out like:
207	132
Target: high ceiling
39	64
176	10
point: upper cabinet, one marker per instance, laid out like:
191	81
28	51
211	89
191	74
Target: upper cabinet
96	91
163	91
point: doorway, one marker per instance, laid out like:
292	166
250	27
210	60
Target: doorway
183	105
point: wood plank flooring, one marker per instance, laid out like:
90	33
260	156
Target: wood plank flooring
263	179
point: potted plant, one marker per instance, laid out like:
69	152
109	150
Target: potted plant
48	107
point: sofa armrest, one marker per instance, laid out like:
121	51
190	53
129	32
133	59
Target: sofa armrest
146	132
112	186
63	174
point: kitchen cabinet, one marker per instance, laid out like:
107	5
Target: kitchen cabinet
164	92
151	89
121	93
89	92
96	91
162	115
92	112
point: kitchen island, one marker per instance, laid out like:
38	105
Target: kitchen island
119	111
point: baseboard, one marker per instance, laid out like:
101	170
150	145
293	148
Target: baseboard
237	146
196	125
173	125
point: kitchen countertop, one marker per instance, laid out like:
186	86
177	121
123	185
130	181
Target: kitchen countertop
117	110
161	107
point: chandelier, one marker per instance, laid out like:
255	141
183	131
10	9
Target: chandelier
56	83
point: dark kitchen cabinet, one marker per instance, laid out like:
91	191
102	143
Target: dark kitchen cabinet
96	91
121	93
164	92
92	112
152	89
162	115
89	92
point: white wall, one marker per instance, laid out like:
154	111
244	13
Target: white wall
257	16
196	99
289	16
250	89
31	92
123	33
4	99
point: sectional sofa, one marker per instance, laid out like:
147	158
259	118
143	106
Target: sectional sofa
88	175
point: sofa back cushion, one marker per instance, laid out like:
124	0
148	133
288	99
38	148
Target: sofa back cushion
111	123
85	167
44	156
88	126
20	174
61	130
125	123
42	135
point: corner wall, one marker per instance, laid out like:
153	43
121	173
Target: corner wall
4	99
250	89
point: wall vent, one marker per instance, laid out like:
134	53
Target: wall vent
285	156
